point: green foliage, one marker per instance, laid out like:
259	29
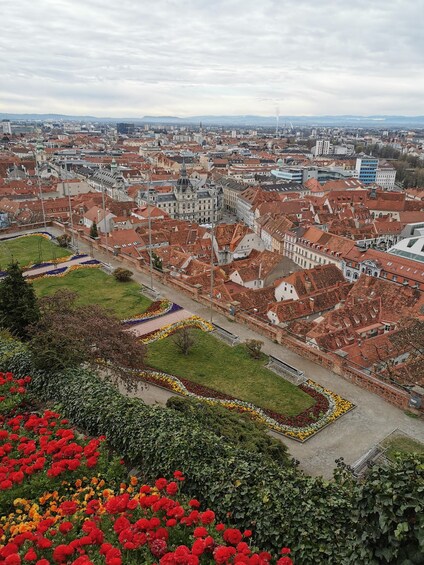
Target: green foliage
238	429
122	275
63	240
18	303
388	515
94	231
332	522
157	261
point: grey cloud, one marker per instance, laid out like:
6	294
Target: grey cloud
198	56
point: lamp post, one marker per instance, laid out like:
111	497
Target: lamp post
212	261
105	224
41	196
149	220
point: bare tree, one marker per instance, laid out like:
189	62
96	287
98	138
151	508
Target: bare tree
184	340
254	347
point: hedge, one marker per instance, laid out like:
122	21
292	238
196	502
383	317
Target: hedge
320	520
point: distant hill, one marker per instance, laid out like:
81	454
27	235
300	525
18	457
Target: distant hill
379	121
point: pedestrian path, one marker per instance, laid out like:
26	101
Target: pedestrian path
158	323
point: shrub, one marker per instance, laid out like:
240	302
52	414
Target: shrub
122	275
63	240
322	521
254	347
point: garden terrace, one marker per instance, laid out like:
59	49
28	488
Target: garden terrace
28	250
94	286
322	521
230	370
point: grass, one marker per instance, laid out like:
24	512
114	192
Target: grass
402	444
230	370
29	250
94	286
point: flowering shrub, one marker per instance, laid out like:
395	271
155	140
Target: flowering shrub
35	446
165	331
83	519
328	406
138	524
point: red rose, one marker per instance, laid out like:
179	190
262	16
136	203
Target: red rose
285	561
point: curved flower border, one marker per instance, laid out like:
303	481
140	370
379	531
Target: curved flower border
155	310
165	331
337	406
63	271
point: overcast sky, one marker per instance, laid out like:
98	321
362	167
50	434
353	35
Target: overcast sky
130	58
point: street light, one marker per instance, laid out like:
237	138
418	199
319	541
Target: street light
212	261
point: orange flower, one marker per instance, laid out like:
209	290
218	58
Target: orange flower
133	481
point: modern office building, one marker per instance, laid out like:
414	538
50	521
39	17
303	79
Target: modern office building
366	169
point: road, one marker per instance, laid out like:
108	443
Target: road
349	437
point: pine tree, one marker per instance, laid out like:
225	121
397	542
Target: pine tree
93	230
18	303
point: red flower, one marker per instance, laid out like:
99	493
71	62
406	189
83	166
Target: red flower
62	552
172	488
207	517
200	532
158	547
198	547
232	536
13	559
30	555
285	550
65	527
68	508
285	561
160	484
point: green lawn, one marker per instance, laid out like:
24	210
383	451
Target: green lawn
96	287
401	444
230	370
29	250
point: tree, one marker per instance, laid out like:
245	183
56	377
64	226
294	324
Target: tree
18	303
93	230
254	347
184	340
122	275
68	335
63	240
157	261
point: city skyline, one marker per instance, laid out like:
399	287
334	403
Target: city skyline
225	58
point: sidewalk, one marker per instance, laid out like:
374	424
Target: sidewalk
350	436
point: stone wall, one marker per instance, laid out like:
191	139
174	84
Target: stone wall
392	394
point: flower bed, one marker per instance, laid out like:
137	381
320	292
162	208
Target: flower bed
327	408
63	271
77	517
157	309
165	331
